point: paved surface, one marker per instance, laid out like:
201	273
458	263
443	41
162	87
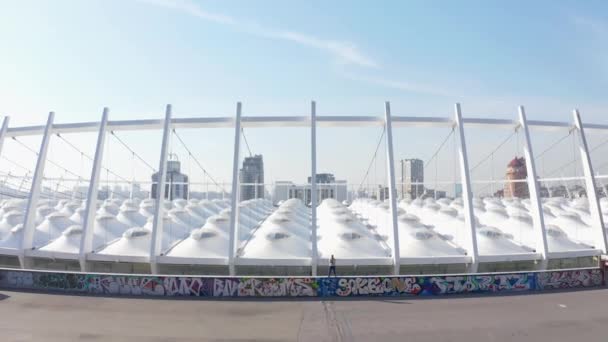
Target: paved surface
565	316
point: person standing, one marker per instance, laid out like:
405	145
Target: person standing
332	266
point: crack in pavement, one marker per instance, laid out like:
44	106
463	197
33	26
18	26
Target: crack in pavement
338	327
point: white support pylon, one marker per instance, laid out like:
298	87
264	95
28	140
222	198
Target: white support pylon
3	131
88	227
599	232
536	207
313	186
234	212
392	188
29	224
467	194
157	227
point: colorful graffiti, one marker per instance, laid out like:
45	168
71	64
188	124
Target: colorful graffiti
397	286
363	286
188	286
148	285
58	281
259	287
570	279
121	285
125	285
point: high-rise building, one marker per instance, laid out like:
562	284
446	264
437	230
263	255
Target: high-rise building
250	174
176	182
516	171
324	178
327	187
383	193
412	178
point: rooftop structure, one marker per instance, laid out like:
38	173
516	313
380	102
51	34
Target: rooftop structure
177	182
324	178
516	171
412	178
251	176
380	234
327	187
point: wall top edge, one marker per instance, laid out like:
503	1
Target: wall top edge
2	269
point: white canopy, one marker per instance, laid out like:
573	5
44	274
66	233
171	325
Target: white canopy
133	245
283	238
207	245
52	226
350	241
67	242
9	221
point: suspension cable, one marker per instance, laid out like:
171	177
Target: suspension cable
198	163
371	163
47	159
445	140
553	145
16	164
90	158
74	147
491	154
130	150
246	143
560	168
61	167
598	145
600	166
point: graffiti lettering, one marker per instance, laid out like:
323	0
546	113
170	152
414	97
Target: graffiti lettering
395	286
570	279
186	286
377	286
298	287
273	287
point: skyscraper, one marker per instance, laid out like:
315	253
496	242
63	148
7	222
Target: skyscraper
250	174
412	178
516	171
176	185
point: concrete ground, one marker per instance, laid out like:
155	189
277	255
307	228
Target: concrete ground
563	316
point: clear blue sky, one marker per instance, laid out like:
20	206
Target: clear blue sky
75	57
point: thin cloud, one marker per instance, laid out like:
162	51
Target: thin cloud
193	10
343	51
412	87
596	27
595	39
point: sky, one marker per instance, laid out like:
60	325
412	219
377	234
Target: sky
135	56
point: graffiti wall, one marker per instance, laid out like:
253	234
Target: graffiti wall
421	286
264	287
171	286
108	284
570	279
